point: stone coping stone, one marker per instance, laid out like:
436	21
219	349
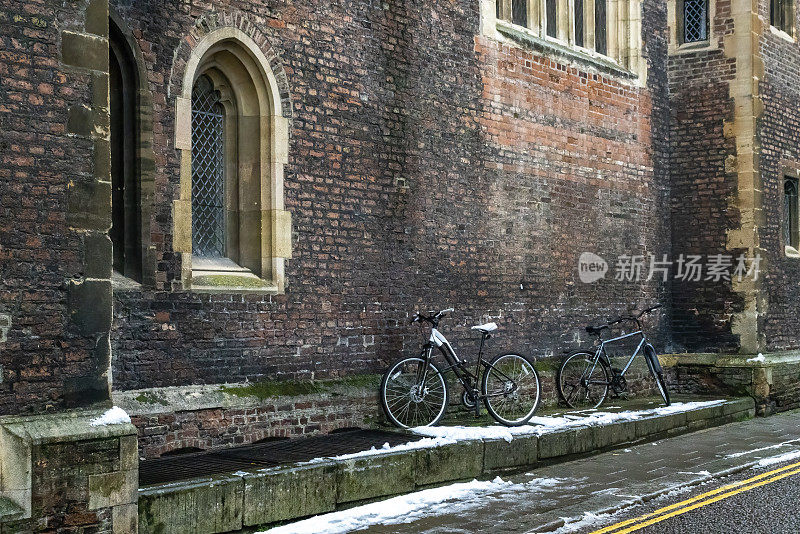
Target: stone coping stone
61	427
265	496
208	505
168	400
277	494
788	357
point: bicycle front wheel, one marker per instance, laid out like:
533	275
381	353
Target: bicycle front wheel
583	380
511	389
413	393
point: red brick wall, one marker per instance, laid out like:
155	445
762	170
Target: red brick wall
389	95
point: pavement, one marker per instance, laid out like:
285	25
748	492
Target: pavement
591	493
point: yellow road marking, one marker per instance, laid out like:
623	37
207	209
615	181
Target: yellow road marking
687	505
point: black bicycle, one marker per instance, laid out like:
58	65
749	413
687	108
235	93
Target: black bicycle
585	378
414	389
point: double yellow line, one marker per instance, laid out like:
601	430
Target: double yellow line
699	501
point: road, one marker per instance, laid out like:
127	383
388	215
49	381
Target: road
717	471
763	500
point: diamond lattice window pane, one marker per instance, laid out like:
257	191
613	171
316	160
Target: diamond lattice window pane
208	171
695	20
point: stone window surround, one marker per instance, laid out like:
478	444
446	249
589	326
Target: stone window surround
674	22
788	171
144	165
237	64
624	32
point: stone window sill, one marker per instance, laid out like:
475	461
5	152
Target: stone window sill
791	252
582	56
221	275
691	48
120	282
782	34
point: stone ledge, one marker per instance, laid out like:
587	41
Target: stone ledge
296	491
731	360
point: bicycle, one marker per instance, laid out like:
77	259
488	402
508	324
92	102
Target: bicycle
414	390
584	379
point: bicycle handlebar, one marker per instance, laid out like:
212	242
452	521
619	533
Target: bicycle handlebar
611	322
433	318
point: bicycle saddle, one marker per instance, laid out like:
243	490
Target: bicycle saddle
486	328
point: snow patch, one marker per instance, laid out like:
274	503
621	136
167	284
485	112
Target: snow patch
113	416
779	459
398	510
760	358
588	519
761	449
541	425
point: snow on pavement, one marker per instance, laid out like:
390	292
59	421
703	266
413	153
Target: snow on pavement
779	459
541	425
113	416
408	508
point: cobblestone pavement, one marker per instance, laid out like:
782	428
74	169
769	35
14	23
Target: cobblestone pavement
623	483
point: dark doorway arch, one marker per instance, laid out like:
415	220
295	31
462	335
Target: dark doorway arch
126	234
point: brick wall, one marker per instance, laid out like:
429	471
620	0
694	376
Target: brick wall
779	139
53	105
702	185
428	167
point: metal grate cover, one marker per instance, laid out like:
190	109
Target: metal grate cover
208	171
270	454
695	20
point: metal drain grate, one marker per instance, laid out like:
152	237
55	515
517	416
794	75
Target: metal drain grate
270	454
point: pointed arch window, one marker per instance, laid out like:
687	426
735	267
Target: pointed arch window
791	229
208	171
230	225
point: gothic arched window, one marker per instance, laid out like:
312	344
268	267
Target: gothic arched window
208	171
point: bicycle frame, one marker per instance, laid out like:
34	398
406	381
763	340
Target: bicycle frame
601	351
467	378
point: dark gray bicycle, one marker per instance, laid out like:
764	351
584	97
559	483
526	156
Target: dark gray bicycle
585	378
414	389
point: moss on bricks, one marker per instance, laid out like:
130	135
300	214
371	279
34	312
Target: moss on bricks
290	388
230	280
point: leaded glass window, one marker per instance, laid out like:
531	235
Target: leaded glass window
781	15
551	13
208	170
579	22
600	36
519	12
791	232
695	21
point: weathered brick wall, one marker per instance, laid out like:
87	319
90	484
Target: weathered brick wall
61	497
702	186
779	139
53	106
216	428
427	167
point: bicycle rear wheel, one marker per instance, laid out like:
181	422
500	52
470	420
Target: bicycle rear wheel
583	382
511	389
658	373
413	393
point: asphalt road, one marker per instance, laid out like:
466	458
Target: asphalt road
595	493
773	507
